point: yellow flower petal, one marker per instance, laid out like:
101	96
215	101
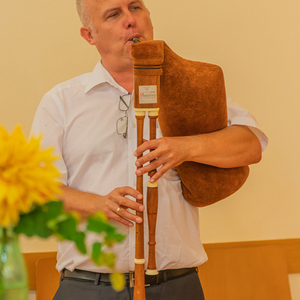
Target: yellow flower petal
117	281
27	175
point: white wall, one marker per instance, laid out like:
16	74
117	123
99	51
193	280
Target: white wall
257	44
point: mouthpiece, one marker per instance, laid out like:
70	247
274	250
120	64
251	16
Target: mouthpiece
136	40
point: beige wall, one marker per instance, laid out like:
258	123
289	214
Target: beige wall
256	43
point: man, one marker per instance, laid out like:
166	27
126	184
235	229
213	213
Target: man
79	118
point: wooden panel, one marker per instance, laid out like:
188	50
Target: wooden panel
255	272
47	278
290	247
31	260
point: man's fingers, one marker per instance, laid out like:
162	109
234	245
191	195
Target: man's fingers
128	191
120	214
152	166
119	196
117	203
147	145
113	216
158	174
123	213
151	156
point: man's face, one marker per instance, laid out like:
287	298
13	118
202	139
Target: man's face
116	23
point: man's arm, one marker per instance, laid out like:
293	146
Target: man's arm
233	146
49	120
88	203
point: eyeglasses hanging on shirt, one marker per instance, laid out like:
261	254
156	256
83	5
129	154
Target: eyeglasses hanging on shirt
122	123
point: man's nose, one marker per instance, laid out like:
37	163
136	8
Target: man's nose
129	20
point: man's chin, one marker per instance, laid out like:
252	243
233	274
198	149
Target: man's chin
128	49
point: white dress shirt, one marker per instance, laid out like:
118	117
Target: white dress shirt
78	117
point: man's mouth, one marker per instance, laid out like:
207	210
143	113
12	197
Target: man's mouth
134	39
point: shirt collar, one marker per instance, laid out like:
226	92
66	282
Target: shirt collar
101	75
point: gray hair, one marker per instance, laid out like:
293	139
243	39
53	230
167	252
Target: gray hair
83	13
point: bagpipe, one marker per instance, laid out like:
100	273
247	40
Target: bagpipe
188	98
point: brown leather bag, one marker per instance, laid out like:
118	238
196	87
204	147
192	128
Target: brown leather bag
192	101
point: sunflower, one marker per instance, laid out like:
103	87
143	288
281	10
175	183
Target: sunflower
27	175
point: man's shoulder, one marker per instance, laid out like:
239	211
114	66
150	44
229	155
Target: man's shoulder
70	85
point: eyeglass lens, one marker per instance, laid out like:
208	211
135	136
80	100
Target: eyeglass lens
124	102
122	126
122	123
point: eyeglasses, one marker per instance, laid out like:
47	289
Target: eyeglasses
122	123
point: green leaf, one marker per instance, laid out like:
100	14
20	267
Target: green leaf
109	259
79	240
50	219
25	225
113	237
97	255
52	223
1	288
99	224
66	227
34	223
100	258
52	209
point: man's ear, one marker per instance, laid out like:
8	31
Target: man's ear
87	34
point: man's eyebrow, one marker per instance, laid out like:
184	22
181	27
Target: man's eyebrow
106	13
135	1
109	10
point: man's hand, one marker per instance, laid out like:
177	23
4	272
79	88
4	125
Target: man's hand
116	204
233	146
168	152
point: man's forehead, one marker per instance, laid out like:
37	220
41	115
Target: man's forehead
112	2
102	7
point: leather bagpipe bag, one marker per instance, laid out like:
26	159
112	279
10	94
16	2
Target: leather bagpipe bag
192	101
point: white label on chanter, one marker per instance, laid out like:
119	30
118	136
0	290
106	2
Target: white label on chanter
147	94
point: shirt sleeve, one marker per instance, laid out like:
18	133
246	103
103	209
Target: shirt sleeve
239	116
48	122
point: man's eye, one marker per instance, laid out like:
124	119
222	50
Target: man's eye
134	7
113	15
